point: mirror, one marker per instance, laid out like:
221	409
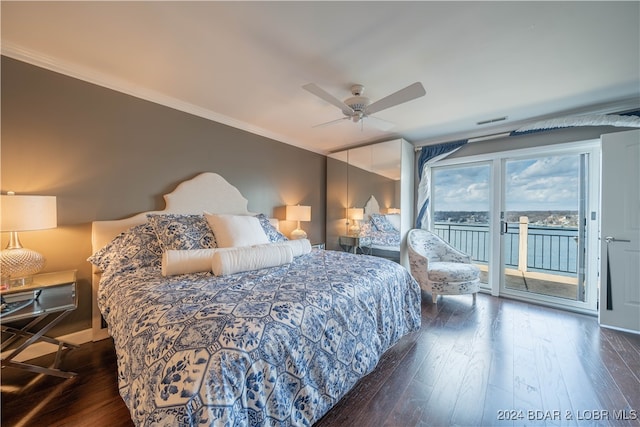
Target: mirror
370	199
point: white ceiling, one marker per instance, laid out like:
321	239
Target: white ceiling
244	63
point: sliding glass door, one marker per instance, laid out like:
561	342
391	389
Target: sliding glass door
528	218
462	210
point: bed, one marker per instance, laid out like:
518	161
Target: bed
278	345
383	231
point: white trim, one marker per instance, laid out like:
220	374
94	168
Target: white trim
42	348
630	331
101	79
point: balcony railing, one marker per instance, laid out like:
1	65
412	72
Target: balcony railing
547	248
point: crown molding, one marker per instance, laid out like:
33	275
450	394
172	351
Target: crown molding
95	77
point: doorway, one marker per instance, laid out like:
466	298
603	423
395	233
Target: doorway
543	226
528	218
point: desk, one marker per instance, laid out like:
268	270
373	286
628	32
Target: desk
49	294
353	243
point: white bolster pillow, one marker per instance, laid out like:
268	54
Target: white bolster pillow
246	258
186	261
299	246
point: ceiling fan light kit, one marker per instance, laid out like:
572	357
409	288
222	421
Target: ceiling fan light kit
358	107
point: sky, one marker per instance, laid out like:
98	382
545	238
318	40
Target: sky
549	183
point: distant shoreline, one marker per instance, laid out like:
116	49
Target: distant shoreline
557	218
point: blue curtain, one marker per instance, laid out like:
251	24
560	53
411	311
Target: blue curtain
430	153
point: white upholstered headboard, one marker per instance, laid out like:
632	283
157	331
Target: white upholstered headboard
372	207
208	192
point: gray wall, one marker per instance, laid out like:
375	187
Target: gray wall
107	155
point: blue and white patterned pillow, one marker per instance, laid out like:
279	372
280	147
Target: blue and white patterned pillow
272	233
382	223
182	231
137	247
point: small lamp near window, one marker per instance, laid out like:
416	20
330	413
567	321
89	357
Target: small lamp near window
23	213
393	211
298	213
355	215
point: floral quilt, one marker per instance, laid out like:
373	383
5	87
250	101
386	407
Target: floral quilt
276	346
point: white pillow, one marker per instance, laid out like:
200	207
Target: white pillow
235	260
394	219
186	261
236	230
298	246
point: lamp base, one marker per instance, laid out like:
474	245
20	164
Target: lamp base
17	265
298	233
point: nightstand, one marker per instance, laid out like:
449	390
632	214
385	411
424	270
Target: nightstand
52	296
353	243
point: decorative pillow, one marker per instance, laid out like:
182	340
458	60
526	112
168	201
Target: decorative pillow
381	223
236	260
365	229
182	231
298	246
188	261
236	230
272	233
137	247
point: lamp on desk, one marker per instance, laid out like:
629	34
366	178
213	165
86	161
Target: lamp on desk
23	213
298	213
355	215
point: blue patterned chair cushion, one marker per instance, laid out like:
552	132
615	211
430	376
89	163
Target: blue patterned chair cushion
137	247
452	272
182	231
272	233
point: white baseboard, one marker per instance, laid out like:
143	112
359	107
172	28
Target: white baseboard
41	348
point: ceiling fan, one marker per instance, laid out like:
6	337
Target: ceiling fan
358	107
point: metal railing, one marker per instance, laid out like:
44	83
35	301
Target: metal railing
547	248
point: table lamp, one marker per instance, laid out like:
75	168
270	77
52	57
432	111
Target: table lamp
298	213
23	213
355	215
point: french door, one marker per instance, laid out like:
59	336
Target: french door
528	218
544	228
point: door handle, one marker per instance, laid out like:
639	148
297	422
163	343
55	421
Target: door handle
610	239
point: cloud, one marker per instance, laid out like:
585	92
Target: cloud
549	183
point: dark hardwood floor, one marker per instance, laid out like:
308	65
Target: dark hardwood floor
498	362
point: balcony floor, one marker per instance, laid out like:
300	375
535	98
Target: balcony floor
539	283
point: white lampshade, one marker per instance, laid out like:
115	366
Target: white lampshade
23	213
355	213
26	213
298	213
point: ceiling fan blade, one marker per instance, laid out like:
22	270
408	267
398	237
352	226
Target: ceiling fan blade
331	122
409	93
321	93
379	123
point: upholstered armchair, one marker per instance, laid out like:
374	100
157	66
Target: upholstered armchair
440	268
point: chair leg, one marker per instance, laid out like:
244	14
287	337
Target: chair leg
474	297
434	297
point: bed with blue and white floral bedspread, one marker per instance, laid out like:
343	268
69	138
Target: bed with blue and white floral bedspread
275	346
